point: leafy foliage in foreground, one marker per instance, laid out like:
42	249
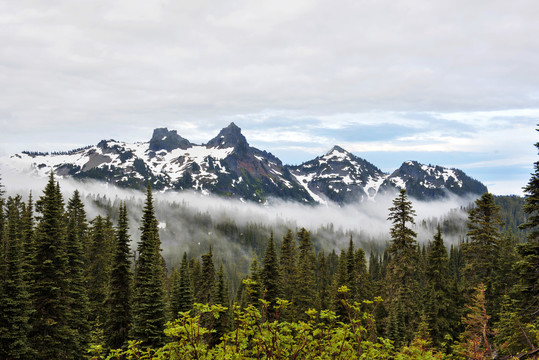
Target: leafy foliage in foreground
323	336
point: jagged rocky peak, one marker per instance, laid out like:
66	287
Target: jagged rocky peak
337	151
165	139
228	137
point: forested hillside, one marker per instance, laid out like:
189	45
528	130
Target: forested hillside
72	287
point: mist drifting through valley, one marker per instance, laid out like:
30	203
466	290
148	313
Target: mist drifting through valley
331	224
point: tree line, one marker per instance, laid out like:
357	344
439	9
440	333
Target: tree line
71	288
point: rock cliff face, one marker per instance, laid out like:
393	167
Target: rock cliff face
228	166
164	139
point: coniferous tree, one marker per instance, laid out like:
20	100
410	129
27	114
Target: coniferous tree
474	342
363	281
306	297
340	279
98	270
51	335
221	324
323	281
14	297
351	273
195	270
441	311
270	275
76	272
288	262
482	250
118	322
27	226
2	217
527	288
402	285
149	310
512	335
456	262
182	290
252	294
207	283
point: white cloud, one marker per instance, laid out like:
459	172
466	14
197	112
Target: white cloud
72	74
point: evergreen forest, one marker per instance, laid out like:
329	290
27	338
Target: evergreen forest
75	287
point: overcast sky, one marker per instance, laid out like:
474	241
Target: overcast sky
449	82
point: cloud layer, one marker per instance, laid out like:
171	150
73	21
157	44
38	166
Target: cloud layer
388	77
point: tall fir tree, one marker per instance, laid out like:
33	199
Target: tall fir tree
306	296
98	269
270	275
401	282
288	264
207	284
340	279
253	293
442	314
149	307
351	274
195	269
118	322
14	298
29	250
323	280
221	324
51	336
363	281
182	297
527	288
482	250
77	234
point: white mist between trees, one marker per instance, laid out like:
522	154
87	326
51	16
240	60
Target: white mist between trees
181	214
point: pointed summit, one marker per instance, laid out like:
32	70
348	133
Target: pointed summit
164	139
228	137
337	149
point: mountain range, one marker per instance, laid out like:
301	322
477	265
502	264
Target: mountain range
228	166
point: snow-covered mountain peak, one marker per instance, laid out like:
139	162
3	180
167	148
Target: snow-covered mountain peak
431	181
339	176
336	152
228	166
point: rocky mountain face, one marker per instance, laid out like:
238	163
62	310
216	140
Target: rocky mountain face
426	182
228	166
339	176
